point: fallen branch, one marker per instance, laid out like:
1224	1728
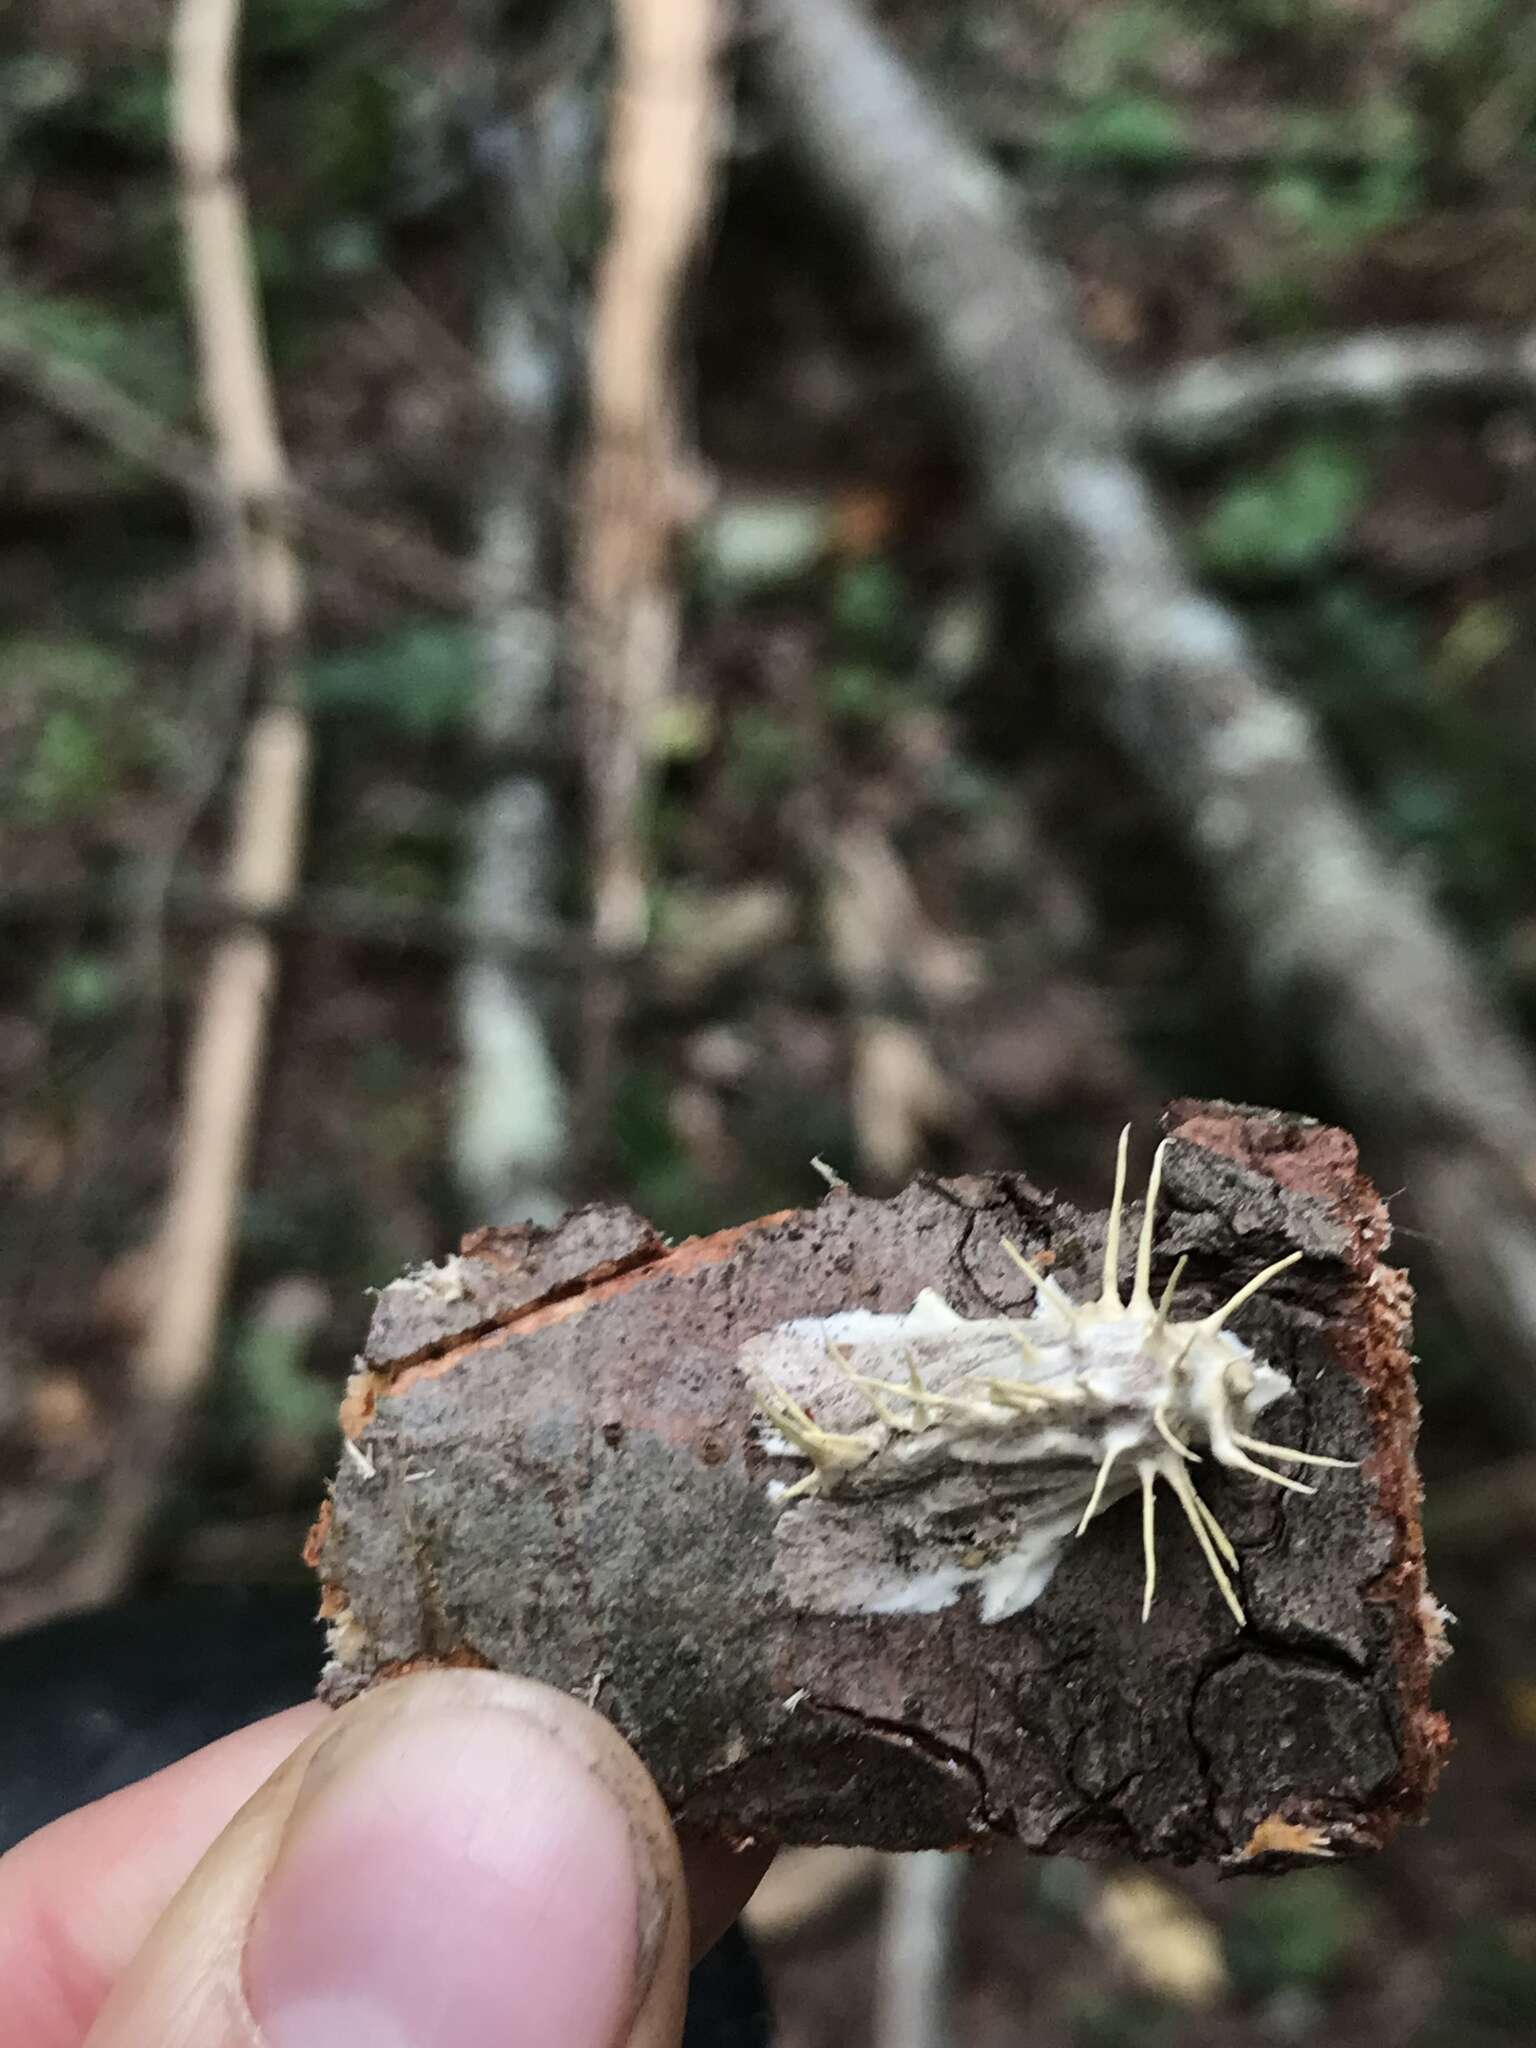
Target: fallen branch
558	1460
1200	407
1330	934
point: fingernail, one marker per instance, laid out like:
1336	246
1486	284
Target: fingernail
460	1880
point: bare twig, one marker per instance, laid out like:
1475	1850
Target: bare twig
914	1972
396	561
229	1031
663	136
1333	936
1204	406
668	975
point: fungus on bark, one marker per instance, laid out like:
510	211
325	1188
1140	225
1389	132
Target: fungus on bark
586	1456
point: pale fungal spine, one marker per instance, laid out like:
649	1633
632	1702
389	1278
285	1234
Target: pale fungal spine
931	1428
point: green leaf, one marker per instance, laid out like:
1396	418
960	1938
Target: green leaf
82	988
764	756
870	605
59	671
420	681
752	546
68	768
1288	520
860	693
145	357
287	27
64	737
1295	1931
274	1390
1445	30
1479	636
1338	214
1132	130
135	107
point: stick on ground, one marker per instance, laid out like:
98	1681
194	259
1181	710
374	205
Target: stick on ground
552	1467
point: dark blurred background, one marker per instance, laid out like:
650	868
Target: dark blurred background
878	893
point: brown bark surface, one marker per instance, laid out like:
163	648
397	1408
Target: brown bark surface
551	1471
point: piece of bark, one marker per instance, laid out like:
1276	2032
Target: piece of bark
556	1475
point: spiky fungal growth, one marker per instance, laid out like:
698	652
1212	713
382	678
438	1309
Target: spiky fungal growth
945	1450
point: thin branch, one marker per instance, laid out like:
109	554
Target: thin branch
915	1965
664	128
83	397
665	975
229	1032
1201	407
1331	934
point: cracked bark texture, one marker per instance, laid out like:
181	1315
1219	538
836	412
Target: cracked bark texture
549	1470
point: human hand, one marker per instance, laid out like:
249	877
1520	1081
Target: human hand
455	1860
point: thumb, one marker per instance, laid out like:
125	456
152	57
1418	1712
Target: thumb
457	1860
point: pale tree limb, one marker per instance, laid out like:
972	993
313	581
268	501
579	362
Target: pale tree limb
229	1030
511	1134
915	1960
1201	407
637	493
1328	931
